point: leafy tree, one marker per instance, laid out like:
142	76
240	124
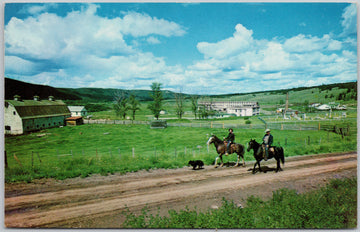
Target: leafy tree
156	95
120	104
134	105
194	105
179	99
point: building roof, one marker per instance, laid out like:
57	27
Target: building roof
40	108
76	108
73	118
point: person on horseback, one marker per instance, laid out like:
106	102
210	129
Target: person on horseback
229	139
267	141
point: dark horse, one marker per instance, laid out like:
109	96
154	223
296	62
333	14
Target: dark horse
221	148
276	152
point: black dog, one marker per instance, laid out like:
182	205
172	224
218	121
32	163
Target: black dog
195	163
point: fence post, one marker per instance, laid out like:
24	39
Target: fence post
17	160
37	153
119	153
32	159
308	140
133	152
319	127
285	141
6	163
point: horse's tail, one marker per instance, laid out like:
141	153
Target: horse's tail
281	155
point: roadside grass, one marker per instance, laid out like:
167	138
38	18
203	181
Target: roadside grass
107	149
331	207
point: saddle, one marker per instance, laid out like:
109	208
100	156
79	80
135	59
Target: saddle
231	146
271	149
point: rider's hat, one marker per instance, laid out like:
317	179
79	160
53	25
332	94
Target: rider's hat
267	130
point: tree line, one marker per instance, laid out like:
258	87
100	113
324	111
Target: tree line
123	104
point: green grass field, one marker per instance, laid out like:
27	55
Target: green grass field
87	149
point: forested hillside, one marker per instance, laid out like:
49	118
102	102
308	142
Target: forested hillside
332	92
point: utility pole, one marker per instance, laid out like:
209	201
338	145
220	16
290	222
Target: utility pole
286	104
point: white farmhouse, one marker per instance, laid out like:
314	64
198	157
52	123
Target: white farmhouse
21	116
239	108
78	111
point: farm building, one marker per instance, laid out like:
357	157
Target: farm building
74	121
239	108
78	111
23	116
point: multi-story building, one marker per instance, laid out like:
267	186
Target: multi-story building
239	108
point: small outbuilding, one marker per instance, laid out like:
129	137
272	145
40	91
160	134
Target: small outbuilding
78	111
74	121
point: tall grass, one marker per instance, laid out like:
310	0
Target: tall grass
331	207
105	149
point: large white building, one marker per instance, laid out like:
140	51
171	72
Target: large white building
21	116
239	108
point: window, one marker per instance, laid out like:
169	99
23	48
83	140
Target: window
7	127
14	112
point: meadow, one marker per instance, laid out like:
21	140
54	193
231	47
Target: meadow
69	152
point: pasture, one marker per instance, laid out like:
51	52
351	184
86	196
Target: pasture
107	149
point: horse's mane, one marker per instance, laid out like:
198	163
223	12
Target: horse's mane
256	143
216	138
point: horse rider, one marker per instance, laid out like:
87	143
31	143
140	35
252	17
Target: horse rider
229	139
267	141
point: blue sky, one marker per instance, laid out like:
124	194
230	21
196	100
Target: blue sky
203	48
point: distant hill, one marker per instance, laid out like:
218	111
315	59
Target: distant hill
27	91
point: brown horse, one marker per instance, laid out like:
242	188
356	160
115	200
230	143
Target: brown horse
276	153
221	149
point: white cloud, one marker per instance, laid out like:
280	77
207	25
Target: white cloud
153	40
241	41
303	44
137	24
37	9
87	50
14	65
297	61
273	58
85	45
349	22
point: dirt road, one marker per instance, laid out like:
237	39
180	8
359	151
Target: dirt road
98	201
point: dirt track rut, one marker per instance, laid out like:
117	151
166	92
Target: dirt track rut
87	202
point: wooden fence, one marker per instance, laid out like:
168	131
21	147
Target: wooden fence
343	130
